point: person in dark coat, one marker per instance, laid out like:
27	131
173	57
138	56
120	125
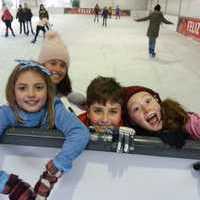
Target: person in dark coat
155	18
96	13
28	18
7	18
43	13
105	16
21	18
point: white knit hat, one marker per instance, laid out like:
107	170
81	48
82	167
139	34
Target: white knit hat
53	48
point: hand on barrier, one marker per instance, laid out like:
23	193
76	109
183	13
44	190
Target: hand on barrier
47	180
196	166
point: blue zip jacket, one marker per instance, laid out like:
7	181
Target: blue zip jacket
75	133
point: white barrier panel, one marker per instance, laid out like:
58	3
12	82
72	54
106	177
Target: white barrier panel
105	175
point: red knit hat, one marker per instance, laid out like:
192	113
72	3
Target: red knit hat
128	92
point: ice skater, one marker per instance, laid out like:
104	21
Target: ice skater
96	13
21	18
105	16
28	19
155	18
7	18
41	25
117	12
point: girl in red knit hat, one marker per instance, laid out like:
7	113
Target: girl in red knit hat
167	119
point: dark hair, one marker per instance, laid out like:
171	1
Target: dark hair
65	86
157	7
104	89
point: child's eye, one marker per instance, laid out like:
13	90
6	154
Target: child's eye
135	109
21	88
39	87
148	100
53	63
62	65
97	111
113	111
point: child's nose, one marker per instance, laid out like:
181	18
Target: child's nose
31	93
105	119
145	109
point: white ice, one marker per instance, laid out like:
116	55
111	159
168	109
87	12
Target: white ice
120	50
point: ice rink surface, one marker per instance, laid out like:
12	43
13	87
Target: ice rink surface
120	50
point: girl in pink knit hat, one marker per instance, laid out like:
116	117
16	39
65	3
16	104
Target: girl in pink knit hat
167	119
55	57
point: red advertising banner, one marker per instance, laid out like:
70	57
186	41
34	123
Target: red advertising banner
89	11
189	27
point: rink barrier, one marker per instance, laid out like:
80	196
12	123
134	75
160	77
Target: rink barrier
90	11
189	27
142	144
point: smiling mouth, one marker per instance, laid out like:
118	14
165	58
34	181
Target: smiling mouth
56	75
153	119
31	103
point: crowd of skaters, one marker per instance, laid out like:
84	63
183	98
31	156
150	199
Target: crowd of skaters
105	12
24	16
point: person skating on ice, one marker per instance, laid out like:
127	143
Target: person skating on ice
96	13
117	12
41	25
7	18
105	16
155	19
21	18
28	18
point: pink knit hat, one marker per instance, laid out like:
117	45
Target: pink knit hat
53	48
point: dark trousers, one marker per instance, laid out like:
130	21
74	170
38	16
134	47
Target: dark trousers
29	24
8	27
38	29
22	27
104	21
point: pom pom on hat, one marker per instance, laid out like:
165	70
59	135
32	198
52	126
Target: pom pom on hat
128	92
53	48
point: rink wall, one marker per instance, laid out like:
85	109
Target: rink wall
189	27
89	11
100	173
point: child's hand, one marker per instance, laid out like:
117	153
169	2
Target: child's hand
18	189
47	180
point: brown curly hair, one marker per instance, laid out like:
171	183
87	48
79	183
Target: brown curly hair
174	115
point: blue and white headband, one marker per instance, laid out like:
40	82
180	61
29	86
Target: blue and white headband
30	63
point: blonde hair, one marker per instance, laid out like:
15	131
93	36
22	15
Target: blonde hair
11	98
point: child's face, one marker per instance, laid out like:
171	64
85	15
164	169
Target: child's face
105	115
30	91
145	111
58	69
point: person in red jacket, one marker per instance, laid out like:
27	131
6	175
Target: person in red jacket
104	103
7	18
